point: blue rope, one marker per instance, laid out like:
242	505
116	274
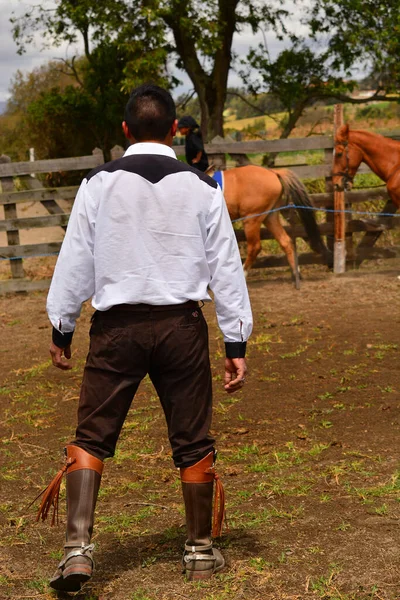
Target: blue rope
267	212
327	210
23	257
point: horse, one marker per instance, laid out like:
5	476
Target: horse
251	192
381	154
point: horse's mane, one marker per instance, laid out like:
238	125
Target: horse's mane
344	133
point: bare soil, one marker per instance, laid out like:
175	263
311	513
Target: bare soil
308	452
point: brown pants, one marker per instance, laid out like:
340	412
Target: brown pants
127	342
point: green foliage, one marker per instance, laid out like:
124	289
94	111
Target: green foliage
201	36
53	118
296	78
70	114
366	32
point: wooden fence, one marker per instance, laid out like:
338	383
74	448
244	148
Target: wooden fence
49	198
13	224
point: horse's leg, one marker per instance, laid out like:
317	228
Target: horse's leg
252	232
393	188
274	225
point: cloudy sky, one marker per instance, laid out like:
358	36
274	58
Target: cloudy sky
10	61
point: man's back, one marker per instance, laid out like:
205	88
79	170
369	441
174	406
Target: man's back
147	228
152	217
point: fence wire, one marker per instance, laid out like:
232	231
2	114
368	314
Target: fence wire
253	216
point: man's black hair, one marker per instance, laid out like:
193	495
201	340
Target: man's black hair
150	113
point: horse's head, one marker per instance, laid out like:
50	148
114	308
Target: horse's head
347	159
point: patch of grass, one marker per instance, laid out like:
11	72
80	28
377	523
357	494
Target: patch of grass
244	494
245	451
40	585
264	517
32	372
326	424
140	594
14	322
382	510
297	352
315	550
389	489
323	585
325	396
289	483
124	523
325	498
317	449
172	533
259	564
343	526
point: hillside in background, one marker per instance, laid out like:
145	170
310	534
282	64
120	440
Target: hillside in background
316	120
3	106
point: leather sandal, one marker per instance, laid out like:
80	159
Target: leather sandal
74	570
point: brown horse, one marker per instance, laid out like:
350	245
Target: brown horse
252	190
381	154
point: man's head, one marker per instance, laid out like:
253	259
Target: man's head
186	124
150	115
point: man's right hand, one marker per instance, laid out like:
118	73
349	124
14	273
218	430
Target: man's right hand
235	372
57	356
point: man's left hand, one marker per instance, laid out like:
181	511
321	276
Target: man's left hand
57	357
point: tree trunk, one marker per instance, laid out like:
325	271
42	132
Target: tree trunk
209	86
268	159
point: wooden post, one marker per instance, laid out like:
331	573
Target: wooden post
117	152
218	160
328	155
10	212
32	158
98	154
339	252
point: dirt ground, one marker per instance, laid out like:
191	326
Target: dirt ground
308	452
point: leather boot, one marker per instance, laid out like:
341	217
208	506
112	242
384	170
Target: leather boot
200	560
83	483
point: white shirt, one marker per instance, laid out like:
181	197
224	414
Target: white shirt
148	228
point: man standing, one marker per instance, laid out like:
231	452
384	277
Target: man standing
194	148
147	236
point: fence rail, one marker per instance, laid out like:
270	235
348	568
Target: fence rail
13	200
40	195
78	163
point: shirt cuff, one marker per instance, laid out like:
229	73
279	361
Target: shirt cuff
62	340
235	349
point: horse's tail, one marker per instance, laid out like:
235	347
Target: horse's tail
294	191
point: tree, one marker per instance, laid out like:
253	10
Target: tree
26	87
17	130
298	77
122	48
202	34
365	32
343	36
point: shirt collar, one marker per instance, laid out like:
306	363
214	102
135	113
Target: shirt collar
150	148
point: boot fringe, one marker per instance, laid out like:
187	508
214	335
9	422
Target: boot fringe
219	512
76	459
204	472
51	495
